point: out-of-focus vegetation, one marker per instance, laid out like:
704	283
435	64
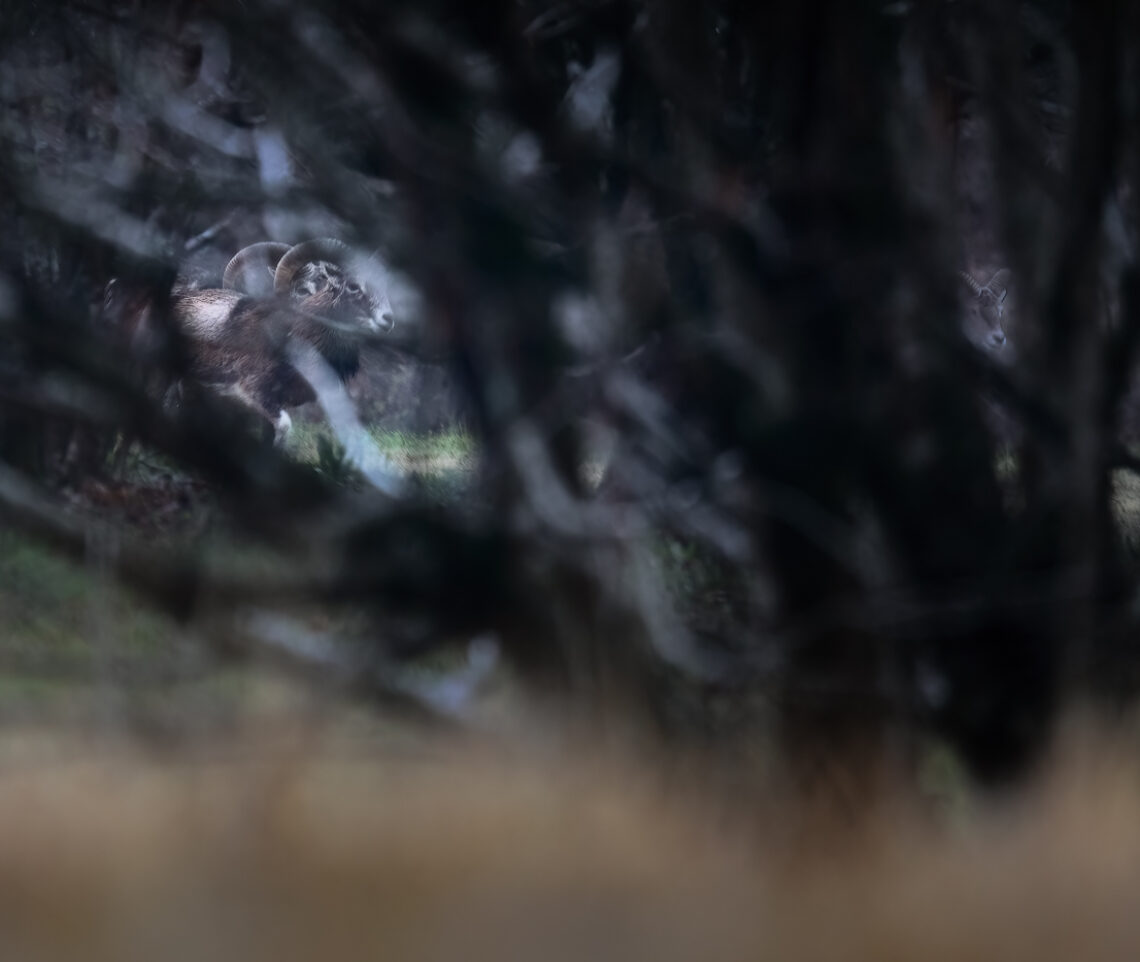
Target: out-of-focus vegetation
440	456
259	851
761	373
671	511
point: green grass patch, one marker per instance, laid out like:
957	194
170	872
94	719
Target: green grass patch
439	466
420	453
67	632
50	607
75	646
456	447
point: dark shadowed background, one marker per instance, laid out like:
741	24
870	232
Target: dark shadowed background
689	421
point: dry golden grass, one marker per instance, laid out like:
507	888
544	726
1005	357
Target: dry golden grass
321	854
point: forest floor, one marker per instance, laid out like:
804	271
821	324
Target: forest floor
77	648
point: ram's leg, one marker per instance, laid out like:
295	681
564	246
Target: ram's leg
282	426
249	411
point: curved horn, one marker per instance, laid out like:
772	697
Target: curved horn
251	270
970	282
324	249
998	285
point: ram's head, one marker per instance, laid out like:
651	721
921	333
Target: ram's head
984	321
327	279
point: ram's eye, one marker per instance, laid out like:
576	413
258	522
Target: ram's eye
353	287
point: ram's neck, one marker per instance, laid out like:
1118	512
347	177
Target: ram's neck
338	347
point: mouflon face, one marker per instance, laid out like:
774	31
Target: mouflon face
984	320
326	289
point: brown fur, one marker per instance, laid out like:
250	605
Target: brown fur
239	345
248	353
202	315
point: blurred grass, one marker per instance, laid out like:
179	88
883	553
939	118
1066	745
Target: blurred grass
78	651
71	638
439	465
421	453
72	642
48	605
67	632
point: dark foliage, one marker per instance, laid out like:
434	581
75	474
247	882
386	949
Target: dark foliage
726	233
